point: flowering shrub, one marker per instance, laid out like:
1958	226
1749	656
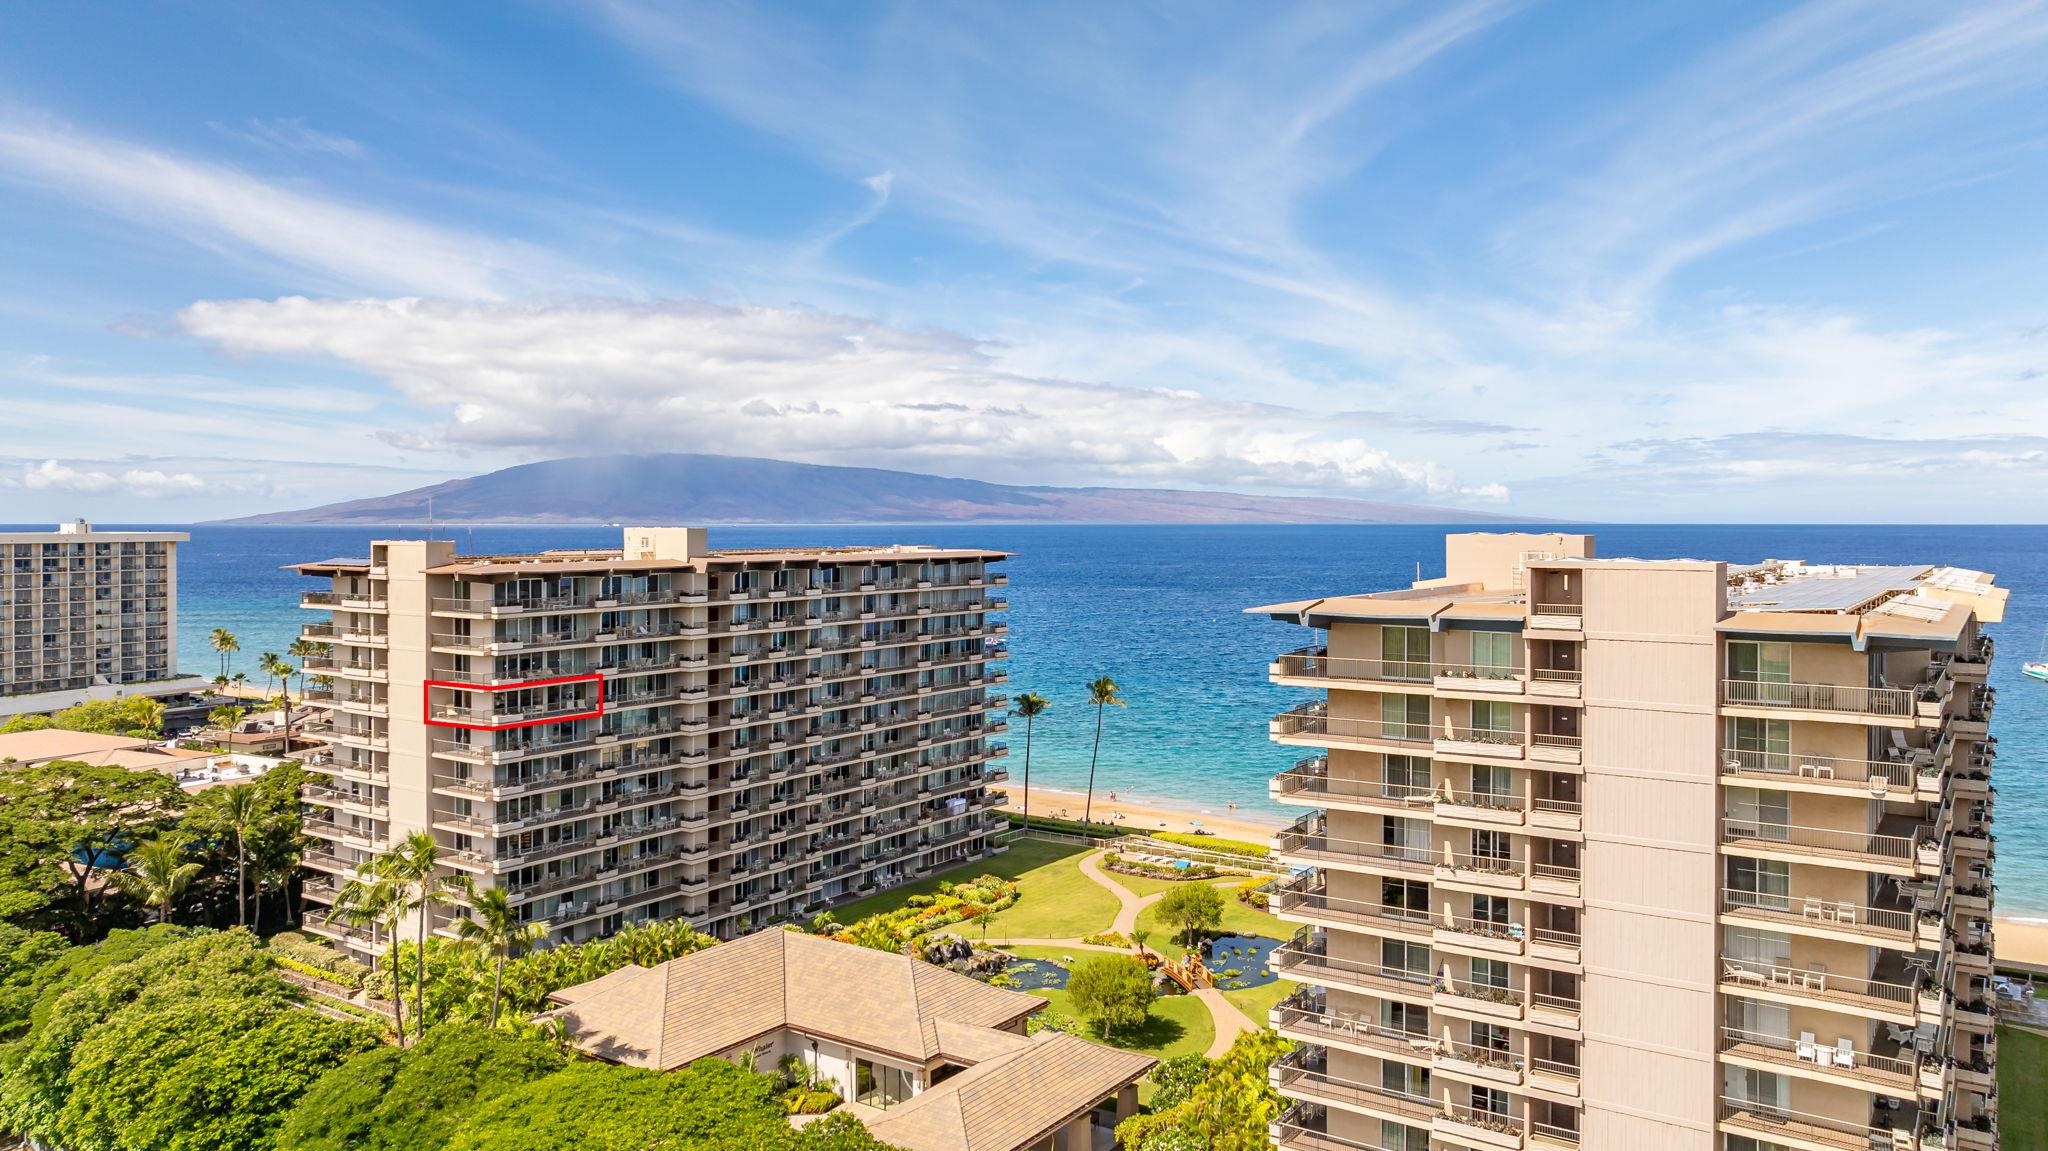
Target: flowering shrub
952	903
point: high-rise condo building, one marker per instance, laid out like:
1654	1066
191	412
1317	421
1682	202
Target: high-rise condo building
1625	854
658	731
88	615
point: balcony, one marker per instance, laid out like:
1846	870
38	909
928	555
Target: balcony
1886	1072
1311	724
1823	701
1479	742
1304	899
1306	959
1303	1074
1878	997
1804	772
1788	1128
1309	782
1306	841
1891	926
1891	853
1315	667
1306	1018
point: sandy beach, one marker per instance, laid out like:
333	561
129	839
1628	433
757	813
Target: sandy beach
1149	814
2021	942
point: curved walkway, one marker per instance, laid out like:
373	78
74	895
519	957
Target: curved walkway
1229	1021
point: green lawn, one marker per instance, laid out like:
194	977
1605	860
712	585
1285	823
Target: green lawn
1176	1025
2022	1105
1258	1002
1056	900
1238	919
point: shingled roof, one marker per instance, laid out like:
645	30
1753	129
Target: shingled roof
1012	1100
703	1004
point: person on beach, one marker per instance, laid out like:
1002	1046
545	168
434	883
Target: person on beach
1112	797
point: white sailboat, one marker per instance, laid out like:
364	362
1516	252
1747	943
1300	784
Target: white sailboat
2038	669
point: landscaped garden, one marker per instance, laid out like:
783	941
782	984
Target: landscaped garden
1057	901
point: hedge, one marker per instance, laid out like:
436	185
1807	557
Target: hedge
1071	826
1213	843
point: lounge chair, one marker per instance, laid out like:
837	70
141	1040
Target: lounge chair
1806	1046
1737	973
1845	1053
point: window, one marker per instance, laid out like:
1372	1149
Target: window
1405	838
1765	883
1405	716
1401	1137
1497	846
1760	1020
1493	654
1404	652
1758	948
1490	1037
1402	1078
1406	775
1492	909
1405	1018
1759	744
880	1085
1492	716
1490	973
1489	1100
1406	895
1759	1087
1492	784
1762	814
1400	955
1756	662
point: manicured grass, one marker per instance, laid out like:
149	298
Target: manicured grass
2022	1104
1056	954
1176	1025
1238	919
1258	1002
1056	900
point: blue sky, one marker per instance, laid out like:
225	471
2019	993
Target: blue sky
1607	261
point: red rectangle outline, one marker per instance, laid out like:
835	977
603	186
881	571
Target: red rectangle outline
427	701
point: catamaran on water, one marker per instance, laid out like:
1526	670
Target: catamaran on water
2038	669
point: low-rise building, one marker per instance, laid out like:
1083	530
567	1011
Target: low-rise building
929	1059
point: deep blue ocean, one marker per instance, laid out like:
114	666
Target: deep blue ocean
1160	609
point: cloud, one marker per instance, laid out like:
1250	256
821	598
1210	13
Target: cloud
562	379
291	134
227	210
140	483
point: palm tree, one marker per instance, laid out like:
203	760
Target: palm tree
157	874
225	717
272	666
226	643
375	901
494	924
1030	705
244	806
1101	693
238	679
412	865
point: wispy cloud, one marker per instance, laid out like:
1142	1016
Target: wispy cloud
229	211
290	133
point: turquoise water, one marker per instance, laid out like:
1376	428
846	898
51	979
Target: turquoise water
1160	609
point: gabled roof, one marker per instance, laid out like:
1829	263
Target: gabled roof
685	1009
1013	1100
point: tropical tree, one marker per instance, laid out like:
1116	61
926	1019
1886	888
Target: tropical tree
1111	991
1103	694
238	679
243	806
226	643
273	667
1030	705
225	717
414	865
494	924
63	824
135	716
1193	908
377	901
157	874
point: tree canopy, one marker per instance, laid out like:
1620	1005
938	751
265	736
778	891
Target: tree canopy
1193	908
1217	1105
137	716
62	825
413	1099
1111	991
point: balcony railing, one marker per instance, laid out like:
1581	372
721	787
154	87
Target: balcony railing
1813	982
1808	768
1822	839
1306	895
1776	1124
1780	1049
1315	663
1830	913
1313	720
1833	697
1301	1072
1307	840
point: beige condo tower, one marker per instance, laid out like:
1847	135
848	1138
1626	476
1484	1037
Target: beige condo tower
660	731
1640	854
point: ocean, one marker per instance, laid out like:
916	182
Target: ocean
1160	609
